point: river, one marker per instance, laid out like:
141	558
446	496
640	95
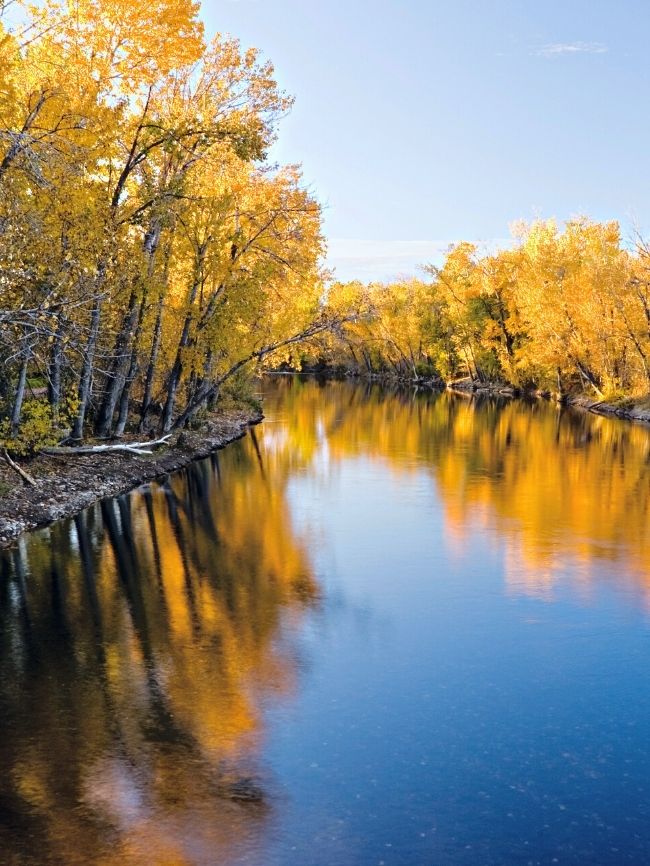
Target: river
384	629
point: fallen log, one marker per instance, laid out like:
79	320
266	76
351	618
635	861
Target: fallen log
127	447
26	478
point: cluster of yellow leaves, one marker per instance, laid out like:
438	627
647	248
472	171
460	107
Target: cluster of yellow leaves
39	427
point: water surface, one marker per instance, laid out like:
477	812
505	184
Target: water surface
394	629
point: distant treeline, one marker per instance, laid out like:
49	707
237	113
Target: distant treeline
562	310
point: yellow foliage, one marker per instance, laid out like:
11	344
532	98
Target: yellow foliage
563	308
147	250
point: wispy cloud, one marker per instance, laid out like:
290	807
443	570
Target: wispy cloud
554	49
369	260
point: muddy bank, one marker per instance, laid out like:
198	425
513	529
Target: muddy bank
65	485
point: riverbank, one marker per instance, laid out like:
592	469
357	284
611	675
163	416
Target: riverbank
66	485
628	408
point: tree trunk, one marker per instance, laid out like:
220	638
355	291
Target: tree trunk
205	394
85	381
177	369
131	373
16	412
640	351
127	447
116	377
151	367
172	387
588	376
54	374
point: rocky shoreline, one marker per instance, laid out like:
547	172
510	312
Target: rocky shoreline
625	409
66	485
629	412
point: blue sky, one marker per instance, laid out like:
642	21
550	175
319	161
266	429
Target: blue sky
422	123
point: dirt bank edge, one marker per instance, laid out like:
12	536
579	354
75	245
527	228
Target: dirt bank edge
66	485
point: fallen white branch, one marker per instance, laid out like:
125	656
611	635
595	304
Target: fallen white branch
127	447
26	478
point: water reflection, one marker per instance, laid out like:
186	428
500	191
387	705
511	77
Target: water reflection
135	643
152	649
553	484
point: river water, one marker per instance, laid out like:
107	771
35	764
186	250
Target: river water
394	629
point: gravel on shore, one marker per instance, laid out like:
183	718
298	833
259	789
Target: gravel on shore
67	484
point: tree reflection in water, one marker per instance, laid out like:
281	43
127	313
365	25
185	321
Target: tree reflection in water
137	641
552	484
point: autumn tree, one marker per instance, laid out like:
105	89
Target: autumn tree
147	251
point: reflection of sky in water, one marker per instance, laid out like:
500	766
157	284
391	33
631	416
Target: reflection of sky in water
449	713
420	625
